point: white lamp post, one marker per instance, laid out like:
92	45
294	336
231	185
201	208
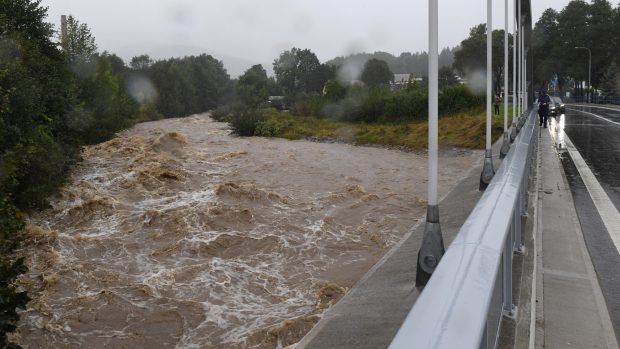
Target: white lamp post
487	170
432	248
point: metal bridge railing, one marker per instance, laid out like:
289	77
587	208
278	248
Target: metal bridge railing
463	303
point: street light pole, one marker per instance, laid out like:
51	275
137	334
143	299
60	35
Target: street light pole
589	68
487	171
506	142
513	133
432	248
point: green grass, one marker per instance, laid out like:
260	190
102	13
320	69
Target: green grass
463	130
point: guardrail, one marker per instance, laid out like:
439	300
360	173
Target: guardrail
471	289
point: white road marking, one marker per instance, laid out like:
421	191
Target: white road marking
596	116
606	209
594	106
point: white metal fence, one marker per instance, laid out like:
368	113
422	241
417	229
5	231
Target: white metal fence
471	289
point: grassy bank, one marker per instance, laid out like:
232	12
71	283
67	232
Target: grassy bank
462	130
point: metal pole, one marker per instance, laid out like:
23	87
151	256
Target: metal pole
525	95
432	248
522	71
519	58
513	133
505	65
506	142
589	76
487	171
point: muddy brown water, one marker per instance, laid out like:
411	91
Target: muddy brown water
176	234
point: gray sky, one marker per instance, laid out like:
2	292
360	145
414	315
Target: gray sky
246	32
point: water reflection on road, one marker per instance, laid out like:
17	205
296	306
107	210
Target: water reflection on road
594	130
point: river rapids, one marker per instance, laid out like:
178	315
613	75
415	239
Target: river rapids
175	234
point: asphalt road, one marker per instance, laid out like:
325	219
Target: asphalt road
595	133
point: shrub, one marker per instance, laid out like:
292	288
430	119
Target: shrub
10	299
221	113
456	99
244	121
407	105
334	91
309	105
272	126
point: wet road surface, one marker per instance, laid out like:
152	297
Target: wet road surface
594	132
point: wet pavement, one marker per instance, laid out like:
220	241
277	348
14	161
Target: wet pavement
598	142
594	132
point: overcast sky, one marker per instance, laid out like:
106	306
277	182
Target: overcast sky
246	32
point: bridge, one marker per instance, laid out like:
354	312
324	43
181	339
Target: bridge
532	236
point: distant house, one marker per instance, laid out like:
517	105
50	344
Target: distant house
400	80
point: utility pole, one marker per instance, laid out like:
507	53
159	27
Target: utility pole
432	248
487	170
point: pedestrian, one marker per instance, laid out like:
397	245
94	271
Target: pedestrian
543	107
496	102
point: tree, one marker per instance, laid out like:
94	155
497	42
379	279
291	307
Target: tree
80	43
299	71
141	62
377	72
543	35
188	85
447	77
253	86
117	63
471	57
333	90
579	24
610	83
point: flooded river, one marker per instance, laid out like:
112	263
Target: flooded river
176	234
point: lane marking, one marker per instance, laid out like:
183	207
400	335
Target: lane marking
606	209
597	116
594	106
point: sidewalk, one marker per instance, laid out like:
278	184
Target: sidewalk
570	308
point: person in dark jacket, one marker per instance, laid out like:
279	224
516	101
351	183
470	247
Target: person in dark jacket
543	107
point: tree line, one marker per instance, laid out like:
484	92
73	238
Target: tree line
365	94
560	42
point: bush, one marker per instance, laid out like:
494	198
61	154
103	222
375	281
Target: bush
222	113
10	299
245	120
456	99
309	105
272	126
407	105
334	91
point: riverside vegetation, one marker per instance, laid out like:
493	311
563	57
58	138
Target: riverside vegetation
367	115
